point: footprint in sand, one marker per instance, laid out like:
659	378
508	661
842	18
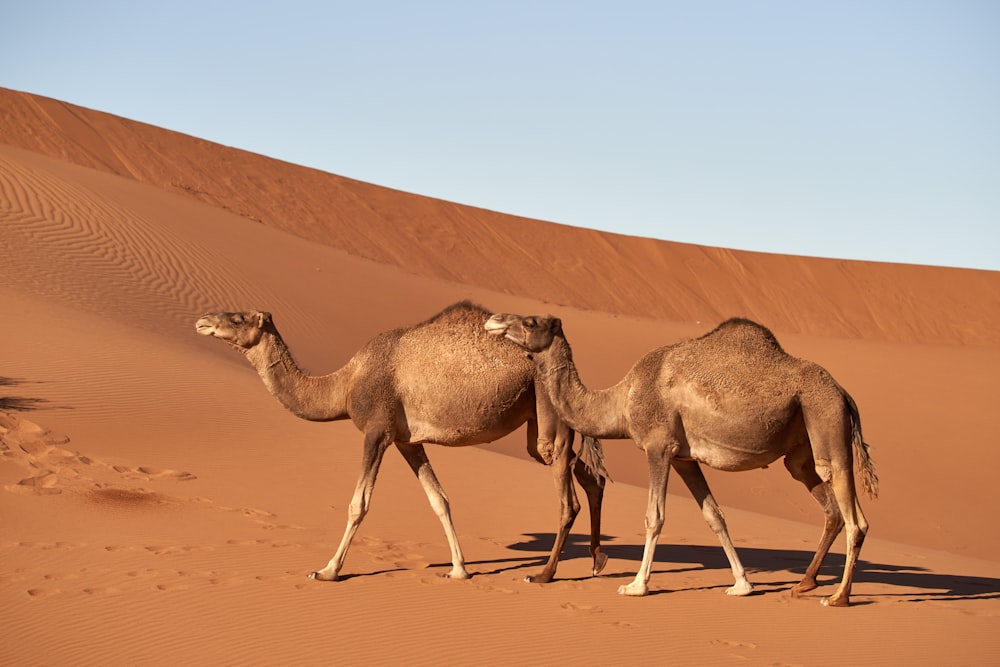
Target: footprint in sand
40	485
166	473
623	625
489	583
141	574
246	543
149	473
164	550
574	606
732	644
55	468
42	592
404	555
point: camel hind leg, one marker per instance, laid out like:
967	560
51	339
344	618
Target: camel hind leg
593	485
562	462
856	528
374	449
696	483
416	457
802	467
831	441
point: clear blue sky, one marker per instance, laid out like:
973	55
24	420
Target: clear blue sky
856	129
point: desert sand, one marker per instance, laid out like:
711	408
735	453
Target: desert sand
159	507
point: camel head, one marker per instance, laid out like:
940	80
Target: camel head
241	330
532	332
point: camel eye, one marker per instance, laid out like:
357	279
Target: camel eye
236	319
530	323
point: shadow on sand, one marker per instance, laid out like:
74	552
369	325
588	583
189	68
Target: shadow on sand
673	558
20	403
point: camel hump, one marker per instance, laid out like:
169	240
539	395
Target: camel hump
463	311
746	332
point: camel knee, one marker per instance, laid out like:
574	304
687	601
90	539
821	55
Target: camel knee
856	536
834	523
569	513
356	511
824	471
440	505
654	522
546	450
714	517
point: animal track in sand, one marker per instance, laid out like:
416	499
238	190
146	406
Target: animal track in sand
42	592
177	549
490	584
732	644
624	625
148	473
153	567
404	555
54	468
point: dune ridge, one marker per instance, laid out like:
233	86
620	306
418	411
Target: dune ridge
654	279
158	506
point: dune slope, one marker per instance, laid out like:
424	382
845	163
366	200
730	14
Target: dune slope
158	506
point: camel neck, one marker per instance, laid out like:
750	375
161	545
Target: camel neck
315	398
599	414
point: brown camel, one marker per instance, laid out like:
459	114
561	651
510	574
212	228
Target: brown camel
443	381
732	399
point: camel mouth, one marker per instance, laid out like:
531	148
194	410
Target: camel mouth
495	327
205	328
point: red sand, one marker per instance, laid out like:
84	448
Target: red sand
159	506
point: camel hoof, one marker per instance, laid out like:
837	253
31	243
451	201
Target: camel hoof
538	578
802	587
633	590
600	560
457	574
319	576
835	602
740	589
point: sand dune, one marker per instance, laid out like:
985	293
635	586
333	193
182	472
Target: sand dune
159	506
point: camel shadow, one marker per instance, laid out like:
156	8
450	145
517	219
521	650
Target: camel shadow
674	558
504	565
21	403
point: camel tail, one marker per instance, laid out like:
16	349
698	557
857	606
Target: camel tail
592	456
862	457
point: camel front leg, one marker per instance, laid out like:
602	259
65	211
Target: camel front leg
421	467
374	449
658	457
696	483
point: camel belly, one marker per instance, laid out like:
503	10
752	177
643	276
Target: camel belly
732	444
724	456
462	423
450	435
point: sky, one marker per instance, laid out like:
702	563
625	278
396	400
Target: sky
852	129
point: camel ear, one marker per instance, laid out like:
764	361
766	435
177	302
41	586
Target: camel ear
556	326
262	319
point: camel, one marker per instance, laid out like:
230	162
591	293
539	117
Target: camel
443	381
732	399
